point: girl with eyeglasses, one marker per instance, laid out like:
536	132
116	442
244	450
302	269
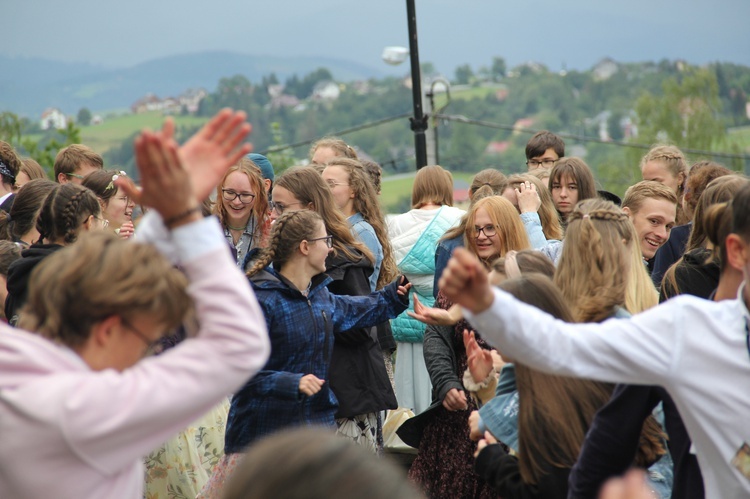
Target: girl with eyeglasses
242	208
493	228
359	377
117	207
303	318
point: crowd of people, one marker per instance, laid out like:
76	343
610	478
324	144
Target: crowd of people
220	329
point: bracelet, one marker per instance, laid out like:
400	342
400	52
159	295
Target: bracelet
171	221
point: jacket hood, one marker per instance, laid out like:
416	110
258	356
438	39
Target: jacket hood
337	264
20	270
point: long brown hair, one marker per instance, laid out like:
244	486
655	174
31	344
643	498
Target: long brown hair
555	412
366	203
260	202
432	184
289	230
23	214
308	187
593	266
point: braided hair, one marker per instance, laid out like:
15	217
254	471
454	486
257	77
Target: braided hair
290	229
593	268
64	211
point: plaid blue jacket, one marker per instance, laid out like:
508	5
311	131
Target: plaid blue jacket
302	331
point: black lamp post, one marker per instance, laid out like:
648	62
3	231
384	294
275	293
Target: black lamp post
419	120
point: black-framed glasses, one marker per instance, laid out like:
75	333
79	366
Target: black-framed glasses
151	345
279	208
230	195
546	163
327	239
489	230
75	175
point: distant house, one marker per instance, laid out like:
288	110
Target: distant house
275	90
522	123
495	148
326	91
284	100
97	120
53	118
189	100
605	69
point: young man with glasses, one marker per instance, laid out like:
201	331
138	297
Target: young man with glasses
543	150
74	162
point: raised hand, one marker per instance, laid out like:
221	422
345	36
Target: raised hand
464	281
166	185
126	230
310	384
455	400
474	432
479	360
528	198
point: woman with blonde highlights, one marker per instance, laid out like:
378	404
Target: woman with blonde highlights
493	228
328	148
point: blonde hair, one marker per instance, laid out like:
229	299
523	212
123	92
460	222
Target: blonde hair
432	184
339	147
547	212
83	284
306	184
593	267
504	217
289	230
260	202
638	193
674	161
640	292
366	203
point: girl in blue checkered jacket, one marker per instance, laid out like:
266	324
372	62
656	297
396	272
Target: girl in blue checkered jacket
302	318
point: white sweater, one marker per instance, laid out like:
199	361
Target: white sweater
694	348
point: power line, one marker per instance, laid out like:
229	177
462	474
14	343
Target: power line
583	138
363	126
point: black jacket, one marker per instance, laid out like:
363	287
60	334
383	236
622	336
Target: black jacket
19	274
613	438
670	252
501	471
357	373
694	276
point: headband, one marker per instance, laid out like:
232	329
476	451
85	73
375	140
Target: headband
5	172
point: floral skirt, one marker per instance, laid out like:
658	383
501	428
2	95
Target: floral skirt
181	467
214	487
365	430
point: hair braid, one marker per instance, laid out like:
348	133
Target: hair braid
288	231
70	216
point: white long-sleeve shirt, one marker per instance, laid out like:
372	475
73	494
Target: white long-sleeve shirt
696	349
68	431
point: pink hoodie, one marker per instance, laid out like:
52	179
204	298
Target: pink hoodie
68	431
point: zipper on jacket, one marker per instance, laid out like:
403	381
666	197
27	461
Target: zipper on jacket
306	399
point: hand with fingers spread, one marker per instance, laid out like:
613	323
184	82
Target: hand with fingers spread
528	198
478	360
488	439
166	185
465	282
435	316
310	384
455	400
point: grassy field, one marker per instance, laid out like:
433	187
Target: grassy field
395	188
114	131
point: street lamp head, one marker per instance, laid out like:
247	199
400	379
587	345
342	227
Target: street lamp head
395	55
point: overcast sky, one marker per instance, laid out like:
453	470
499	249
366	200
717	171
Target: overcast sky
571	33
